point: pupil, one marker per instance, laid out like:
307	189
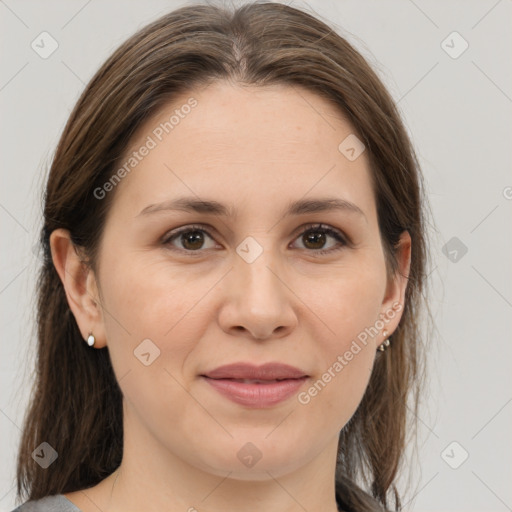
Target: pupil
316	238
193	237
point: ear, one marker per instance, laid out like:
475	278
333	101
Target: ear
80	286
394	300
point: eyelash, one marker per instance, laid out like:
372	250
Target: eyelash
309	228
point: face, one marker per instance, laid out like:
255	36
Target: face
183	291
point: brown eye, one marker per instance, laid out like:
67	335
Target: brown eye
191	238
315	237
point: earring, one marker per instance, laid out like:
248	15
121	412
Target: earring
91	340
385	344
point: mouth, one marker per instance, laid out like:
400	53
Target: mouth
246	371
256	393
256	386
252	381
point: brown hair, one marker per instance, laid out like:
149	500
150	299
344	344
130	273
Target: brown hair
76	404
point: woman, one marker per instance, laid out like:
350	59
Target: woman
229	305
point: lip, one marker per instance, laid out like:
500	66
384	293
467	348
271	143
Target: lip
268	371
228	381
256	395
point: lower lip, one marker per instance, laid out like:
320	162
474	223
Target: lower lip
256	395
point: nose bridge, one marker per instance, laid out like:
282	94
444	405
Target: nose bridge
261	302
256	273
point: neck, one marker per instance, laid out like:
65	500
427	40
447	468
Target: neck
153	478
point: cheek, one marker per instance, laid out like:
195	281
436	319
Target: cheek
346	365
150	296
345	352
152	301
154	320
349	303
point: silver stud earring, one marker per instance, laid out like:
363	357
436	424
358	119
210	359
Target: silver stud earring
385	344
91	340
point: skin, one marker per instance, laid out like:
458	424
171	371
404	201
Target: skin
253	149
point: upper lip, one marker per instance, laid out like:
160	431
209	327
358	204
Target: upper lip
268	371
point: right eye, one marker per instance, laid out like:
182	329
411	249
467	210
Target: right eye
193	237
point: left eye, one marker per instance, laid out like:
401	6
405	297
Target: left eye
193	238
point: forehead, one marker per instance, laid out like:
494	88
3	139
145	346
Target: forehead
272	144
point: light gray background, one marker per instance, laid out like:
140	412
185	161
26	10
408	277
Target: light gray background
458	112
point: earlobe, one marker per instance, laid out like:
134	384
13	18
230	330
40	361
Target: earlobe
79	284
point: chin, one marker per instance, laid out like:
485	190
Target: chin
250	463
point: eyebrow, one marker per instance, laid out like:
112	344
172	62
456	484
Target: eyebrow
299	207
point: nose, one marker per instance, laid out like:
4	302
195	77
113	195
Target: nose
258	301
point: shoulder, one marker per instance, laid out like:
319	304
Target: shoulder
57	503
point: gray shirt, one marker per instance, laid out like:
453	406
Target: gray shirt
56	503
